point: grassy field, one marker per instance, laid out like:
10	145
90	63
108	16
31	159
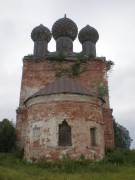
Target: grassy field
115	166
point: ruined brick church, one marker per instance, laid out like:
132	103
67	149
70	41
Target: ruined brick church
64	100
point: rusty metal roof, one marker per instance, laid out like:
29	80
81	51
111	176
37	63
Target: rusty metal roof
62	85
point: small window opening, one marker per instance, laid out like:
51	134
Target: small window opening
93	136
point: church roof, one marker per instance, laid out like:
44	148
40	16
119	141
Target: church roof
64	27
62	85
41	33
88	33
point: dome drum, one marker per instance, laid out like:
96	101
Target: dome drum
89	48
40	48
41	35
64	44
88	36
64	31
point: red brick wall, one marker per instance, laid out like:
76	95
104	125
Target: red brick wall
36	75
109	132
81	116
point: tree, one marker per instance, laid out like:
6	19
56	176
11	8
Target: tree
121	136
7	136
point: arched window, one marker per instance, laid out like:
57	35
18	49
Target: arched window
93	136
64	134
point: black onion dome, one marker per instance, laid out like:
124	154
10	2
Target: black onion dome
88	33
41	33
64	27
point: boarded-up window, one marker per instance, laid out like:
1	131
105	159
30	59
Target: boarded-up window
36	132
64	134
93	136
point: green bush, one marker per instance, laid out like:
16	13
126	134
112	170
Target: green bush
120	156
7	136
75	67
109	65
20	154
121	136
115	157
57	57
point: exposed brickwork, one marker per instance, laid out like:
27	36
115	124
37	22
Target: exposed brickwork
37	75
82	115
109	132
21	126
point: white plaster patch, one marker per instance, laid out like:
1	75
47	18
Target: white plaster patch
44	131
62	97
105	76
66	115
35	130
30	91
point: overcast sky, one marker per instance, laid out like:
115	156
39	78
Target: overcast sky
115	22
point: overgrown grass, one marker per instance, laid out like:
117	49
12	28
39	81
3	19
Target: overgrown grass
118	164
120	156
